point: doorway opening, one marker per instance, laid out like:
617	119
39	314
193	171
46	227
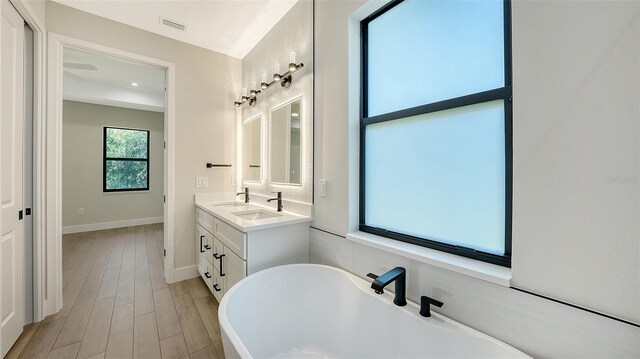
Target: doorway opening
110	173
113	138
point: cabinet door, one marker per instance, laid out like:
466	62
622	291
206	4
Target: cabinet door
233	267
201	237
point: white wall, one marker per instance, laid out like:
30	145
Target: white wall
293	32
576	166
204	111
576	229
82	167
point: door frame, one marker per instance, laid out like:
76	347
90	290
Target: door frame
40	301
56	45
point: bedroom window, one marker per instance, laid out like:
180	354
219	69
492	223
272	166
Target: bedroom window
125	160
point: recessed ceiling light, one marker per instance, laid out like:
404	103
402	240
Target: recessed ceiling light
134	84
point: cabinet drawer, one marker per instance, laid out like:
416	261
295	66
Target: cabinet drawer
217	285
204	219
208	274
231	237
205	241
216	250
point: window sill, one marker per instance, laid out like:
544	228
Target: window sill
126	192
470	267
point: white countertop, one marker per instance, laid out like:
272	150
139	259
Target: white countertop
224	210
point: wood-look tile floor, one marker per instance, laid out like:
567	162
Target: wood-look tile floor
118	305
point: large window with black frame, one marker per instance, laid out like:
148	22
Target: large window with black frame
125	160
435	134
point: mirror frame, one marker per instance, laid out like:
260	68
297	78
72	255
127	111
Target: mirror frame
299	97
259	117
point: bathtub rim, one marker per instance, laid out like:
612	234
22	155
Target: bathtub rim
411	308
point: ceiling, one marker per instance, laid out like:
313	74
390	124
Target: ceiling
232	27
106	80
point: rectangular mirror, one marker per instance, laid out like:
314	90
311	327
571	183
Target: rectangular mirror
285	150
252	149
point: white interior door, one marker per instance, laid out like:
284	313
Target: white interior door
11	137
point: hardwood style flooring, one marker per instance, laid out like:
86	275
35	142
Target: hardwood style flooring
118	305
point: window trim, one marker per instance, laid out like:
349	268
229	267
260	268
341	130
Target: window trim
105	159
502	93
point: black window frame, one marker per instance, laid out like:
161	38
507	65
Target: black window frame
502	93
105	159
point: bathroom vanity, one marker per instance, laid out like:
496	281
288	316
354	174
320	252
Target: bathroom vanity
235	240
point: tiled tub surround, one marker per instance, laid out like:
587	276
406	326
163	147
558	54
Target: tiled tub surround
537	326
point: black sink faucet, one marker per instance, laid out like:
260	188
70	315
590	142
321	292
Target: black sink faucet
245	193
279	199
397	274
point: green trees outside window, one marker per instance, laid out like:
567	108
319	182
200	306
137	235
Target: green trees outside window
125	160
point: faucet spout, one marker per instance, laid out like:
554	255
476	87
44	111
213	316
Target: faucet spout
245	193
279	199
398	275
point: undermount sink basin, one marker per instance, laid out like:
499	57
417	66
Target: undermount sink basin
256	214
234	204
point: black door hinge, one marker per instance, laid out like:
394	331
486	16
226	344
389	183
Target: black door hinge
165	144
20	215
164	199
27	212
165	252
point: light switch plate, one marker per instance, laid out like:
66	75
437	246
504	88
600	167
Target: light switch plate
81	211
202	182
322	191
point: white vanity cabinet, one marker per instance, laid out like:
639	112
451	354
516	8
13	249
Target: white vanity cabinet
227	254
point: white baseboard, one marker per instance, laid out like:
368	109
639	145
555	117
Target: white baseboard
110	225
183	273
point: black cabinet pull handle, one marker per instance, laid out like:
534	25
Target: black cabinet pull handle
216	256
206	274
201	238
206	246
215	286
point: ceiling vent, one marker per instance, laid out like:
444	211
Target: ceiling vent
173	24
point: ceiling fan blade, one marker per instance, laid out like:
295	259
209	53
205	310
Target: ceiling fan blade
71	65
70	74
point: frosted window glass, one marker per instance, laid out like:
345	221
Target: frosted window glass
426	51
440	176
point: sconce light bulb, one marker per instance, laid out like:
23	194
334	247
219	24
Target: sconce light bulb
244	91
292	57
237	104
253	84
252	93
276	69
264	76
264	85
276	77
293	66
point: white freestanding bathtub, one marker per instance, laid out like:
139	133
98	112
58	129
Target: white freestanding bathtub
315	311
